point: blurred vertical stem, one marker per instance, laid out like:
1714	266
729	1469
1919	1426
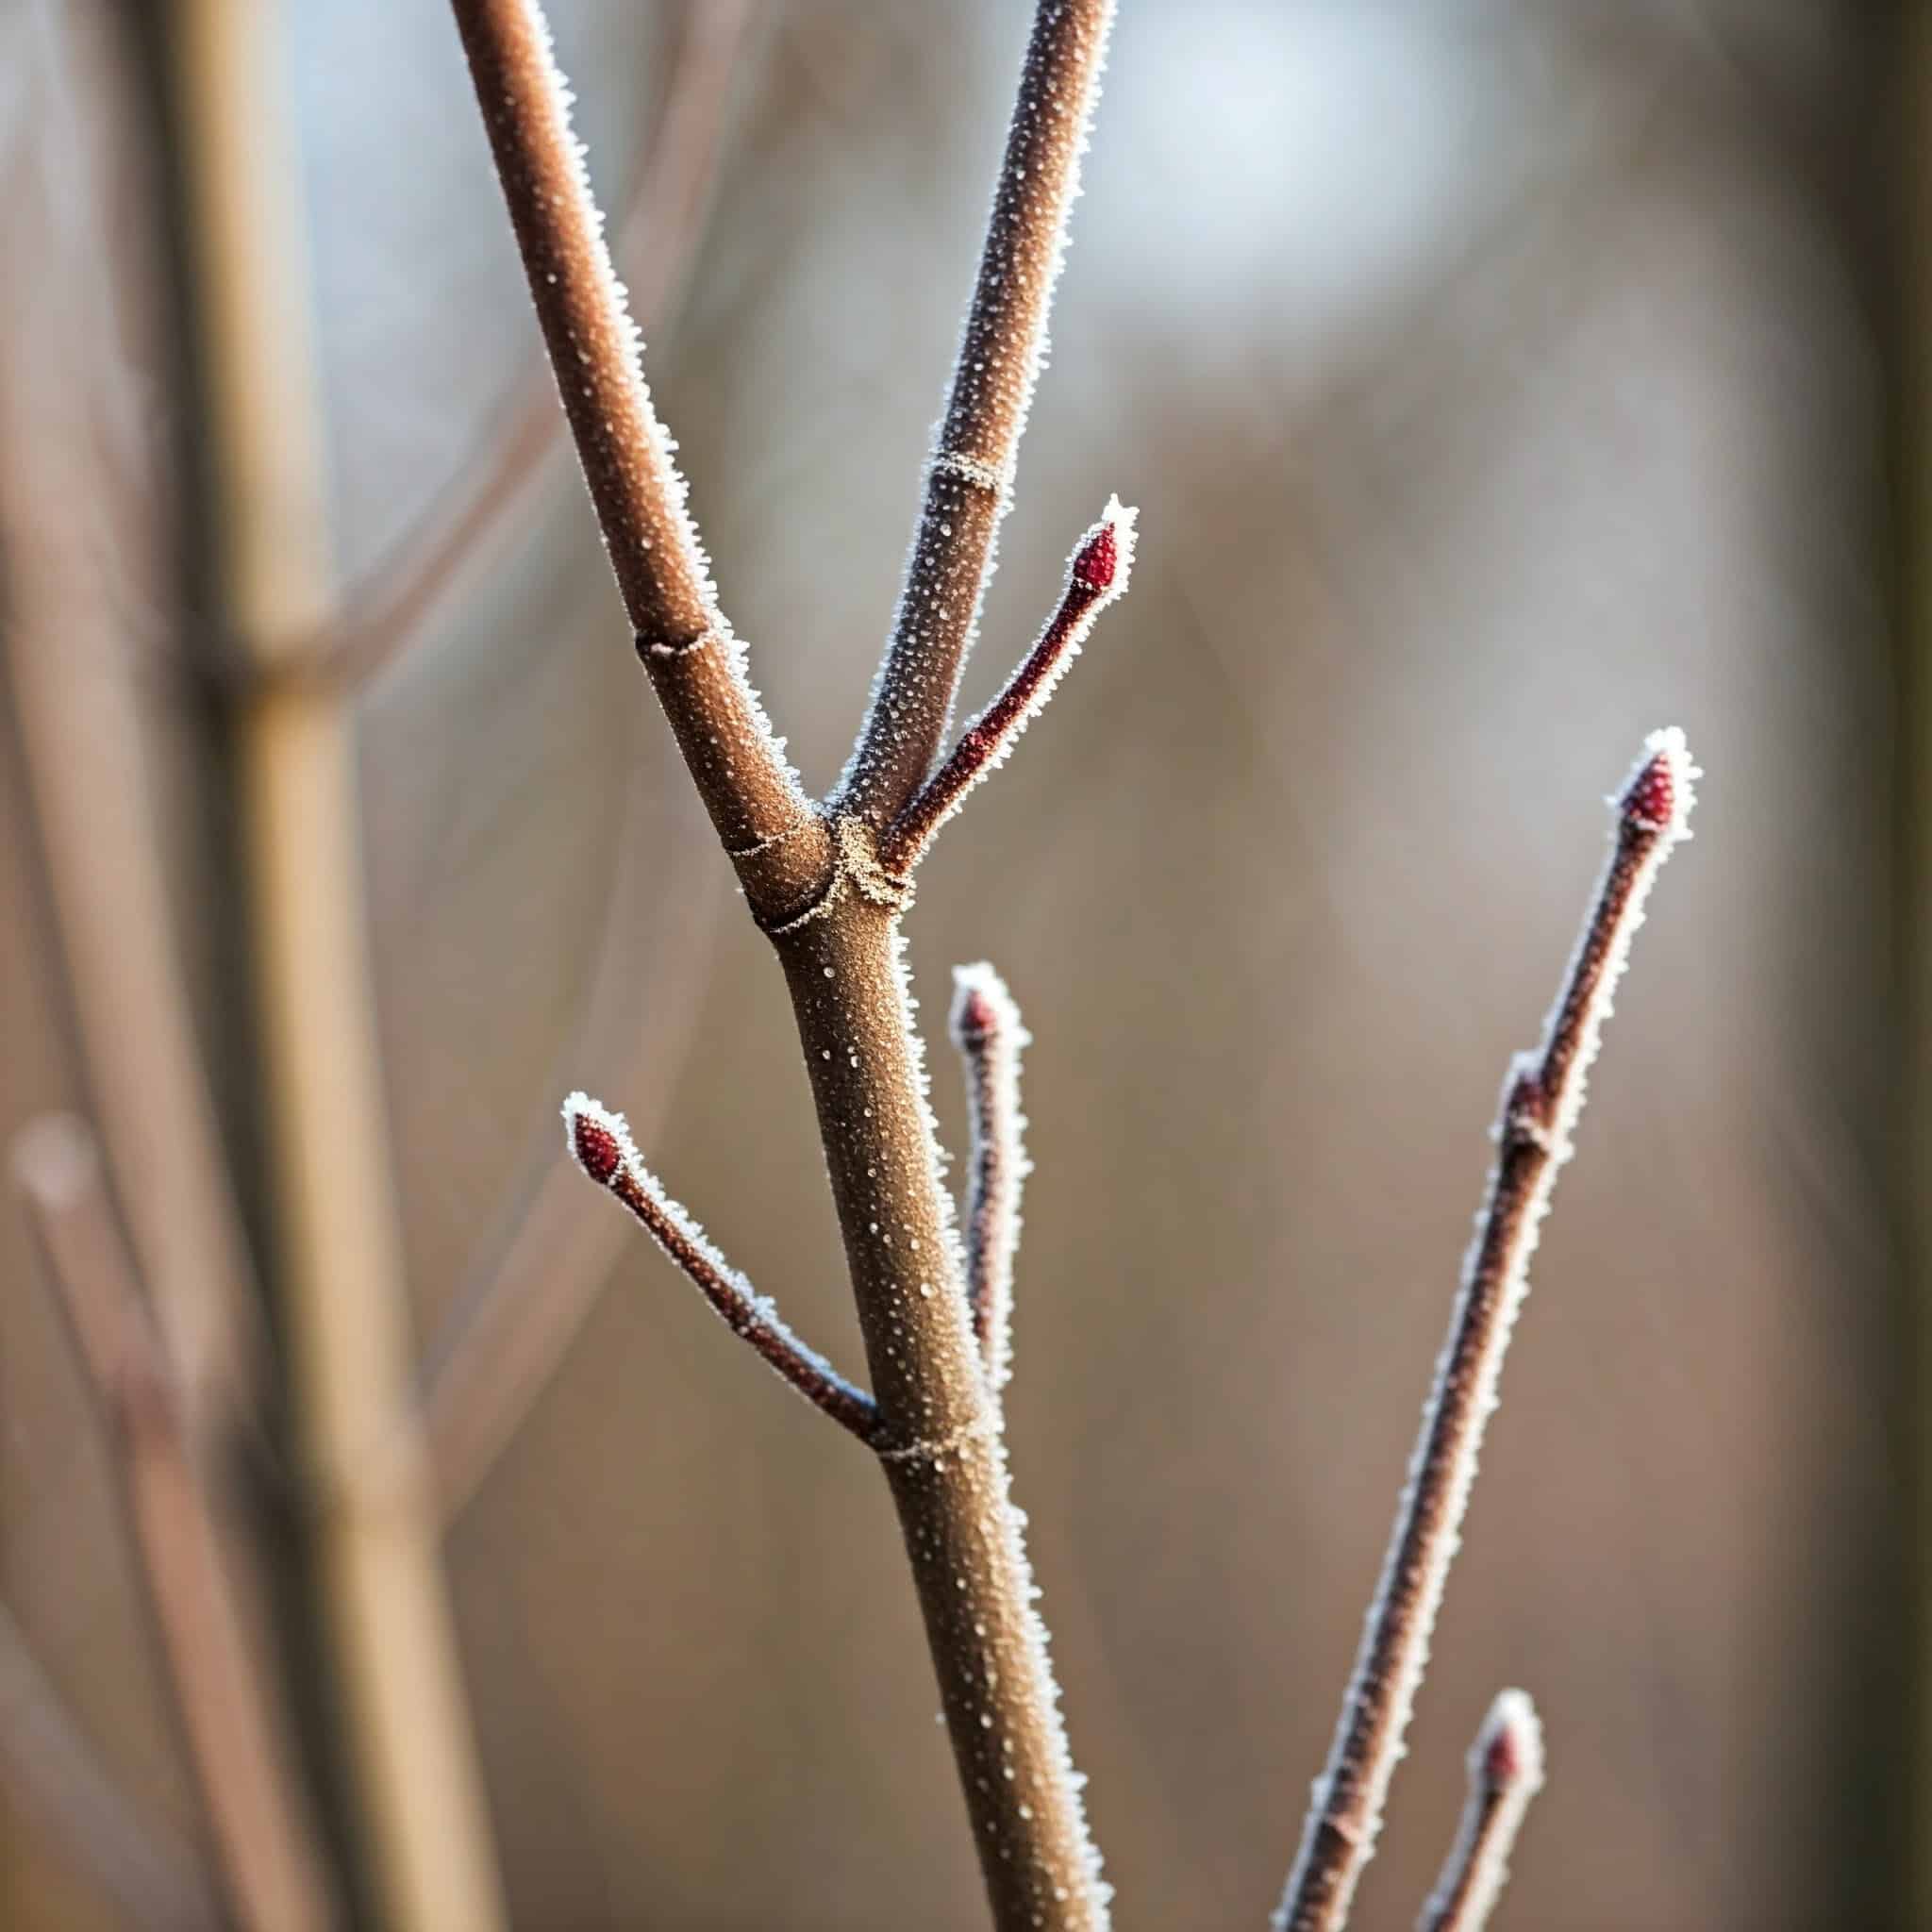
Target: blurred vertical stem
1912	212
339	1261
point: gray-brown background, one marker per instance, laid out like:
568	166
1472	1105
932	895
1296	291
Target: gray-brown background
1497	381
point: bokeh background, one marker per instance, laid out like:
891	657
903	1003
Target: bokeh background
1497	381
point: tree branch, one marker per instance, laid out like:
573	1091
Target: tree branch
1097	574
987	1030
832	912
600	1143
150	1875
274	1875
1542	1100
657	241
1506	1771
773	835
969	480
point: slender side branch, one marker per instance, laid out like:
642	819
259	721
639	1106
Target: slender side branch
696	664
659	237
987	1032
1506	1771
1542	1100
273	1871
1097	574
44	1758
600	1143
969	480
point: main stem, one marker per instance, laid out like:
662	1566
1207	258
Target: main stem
940	1446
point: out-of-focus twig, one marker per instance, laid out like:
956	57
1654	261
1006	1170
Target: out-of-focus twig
340	1275
1542	1102
659	236
510	1329
151	1875
86	554
236	1737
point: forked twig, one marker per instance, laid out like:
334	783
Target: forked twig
659	238
816	884
1097	574
150	1875
273	1871
987	1030
969	480
1506	1771
600	1143
1542	1100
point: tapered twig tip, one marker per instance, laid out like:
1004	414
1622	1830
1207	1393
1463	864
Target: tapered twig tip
1106	553
982	1008
599	1140
1508	1750
1659	793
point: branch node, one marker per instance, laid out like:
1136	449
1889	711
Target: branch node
1097	574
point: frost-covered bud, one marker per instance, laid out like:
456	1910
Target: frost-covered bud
1662	789
1510	1748
1098	558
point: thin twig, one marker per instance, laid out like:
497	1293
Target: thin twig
696	664
150	1873
1542	1100
273	1871
1097	574
1506	1771
512	1324
657	243
600	1143
969	480
987	1033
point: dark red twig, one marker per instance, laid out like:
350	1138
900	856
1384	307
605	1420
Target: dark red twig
601	1144
1541	1104
1097	574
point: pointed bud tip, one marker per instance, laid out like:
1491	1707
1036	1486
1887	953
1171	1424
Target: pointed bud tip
1662	789
596	1137
1107	552
1509	1747
982	1008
